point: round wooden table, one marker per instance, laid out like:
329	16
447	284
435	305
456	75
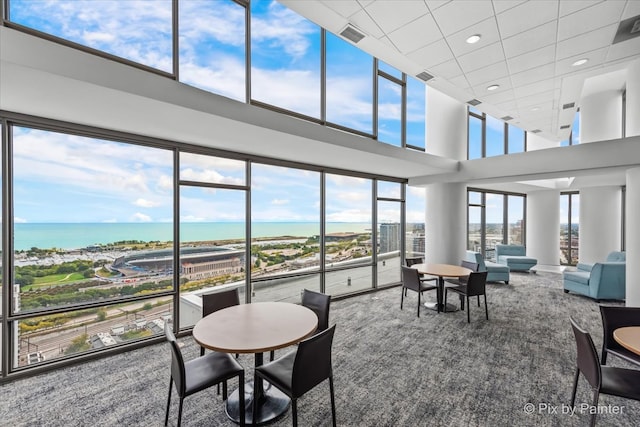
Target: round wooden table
442	271
629	338
256	328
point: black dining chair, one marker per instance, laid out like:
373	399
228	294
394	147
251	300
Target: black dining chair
409	261
610	380
301	370
217	301
201	373
411	280
614	317
475	286
473	266
319	303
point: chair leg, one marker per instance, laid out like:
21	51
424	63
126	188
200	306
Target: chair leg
294	412
468	311
596	395
446	292
575	387
241	396
478	300
224	389
402	293
462	303
180	411
255	406
418	304
604	356
486	309
333	401
272	355
201	351
166	415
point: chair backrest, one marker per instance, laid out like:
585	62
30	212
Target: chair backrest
410	278
477	258
476	283
473	266
414	260
617	256
177	361
514	250
312	363
218	300
614	317
587	356
319	303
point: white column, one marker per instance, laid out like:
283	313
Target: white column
446	204
632	116
600	222
543	226
446	223
632	238
601	116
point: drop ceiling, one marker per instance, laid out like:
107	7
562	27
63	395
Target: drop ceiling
526	47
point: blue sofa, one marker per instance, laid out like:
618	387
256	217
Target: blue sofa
602	280
514	256
495	272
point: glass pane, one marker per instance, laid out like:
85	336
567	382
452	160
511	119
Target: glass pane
383	66
349	85
475	229
494	223
515	231
347	281
285	220
389	112
415	215
140	31
516	140
565	237
475	138
213	170
575	129
564	143
495	137
389	238
348	220
212	46
416	113
474	110
87	223
475	198
285	58
212	245
389	190
575	228
284	289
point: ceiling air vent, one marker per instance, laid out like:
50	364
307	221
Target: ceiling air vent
569	105
628	29
536	131
351	33
424	76
506	118
565	126
474	102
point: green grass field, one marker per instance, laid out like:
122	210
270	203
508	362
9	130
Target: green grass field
54	279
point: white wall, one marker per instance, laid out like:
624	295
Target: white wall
536	142
600	222
601	116
446	130
633	99
632	238
543	226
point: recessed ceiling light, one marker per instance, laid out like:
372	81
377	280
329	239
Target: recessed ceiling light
493	87
473	39
580	62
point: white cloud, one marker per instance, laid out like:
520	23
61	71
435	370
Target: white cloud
18	220
279	202
143	203
140	217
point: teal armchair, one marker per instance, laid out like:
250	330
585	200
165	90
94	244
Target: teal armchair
602	280
495	272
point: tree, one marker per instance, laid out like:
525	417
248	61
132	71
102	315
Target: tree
78	344
101	314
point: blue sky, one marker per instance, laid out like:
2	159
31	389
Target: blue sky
62	178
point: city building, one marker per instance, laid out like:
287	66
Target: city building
535	66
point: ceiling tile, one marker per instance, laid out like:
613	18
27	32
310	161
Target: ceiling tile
418	33
600	15
433	54
568	7
501	5
488	73
529	40
538	100
526	16
447	70
534	88
496	98
363	21
342	7
460	81
460	14
596	57
626	49
586	42
393	14
533	59
482	57
488	29
481	89
434	4
533	75
632	9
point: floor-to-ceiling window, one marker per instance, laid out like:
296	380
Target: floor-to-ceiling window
389	227
488	136
415	208
569	227
494	218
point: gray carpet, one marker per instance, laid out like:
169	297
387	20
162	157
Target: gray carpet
391	369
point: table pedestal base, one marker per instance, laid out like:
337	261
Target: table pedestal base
272	404
434	306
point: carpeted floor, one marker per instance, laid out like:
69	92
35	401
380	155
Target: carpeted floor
391	369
